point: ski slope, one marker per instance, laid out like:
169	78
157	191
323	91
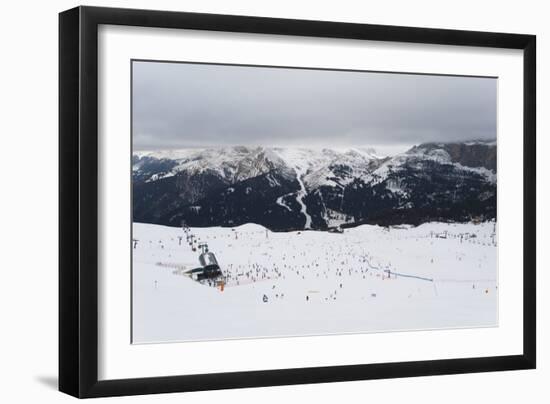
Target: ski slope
368	279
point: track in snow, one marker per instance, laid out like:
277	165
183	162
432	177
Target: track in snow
280	201
301	194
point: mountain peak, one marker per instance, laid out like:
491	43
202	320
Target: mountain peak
473	154
314	188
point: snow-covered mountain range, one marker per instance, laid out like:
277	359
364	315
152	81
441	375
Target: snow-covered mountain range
302	188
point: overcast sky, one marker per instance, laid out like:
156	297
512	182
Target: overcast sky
179	105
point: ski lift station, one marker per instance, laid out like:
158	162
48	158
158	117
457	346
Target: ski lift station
209	264
209	267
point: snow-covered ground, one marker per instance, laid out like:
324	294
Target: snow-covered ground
313	283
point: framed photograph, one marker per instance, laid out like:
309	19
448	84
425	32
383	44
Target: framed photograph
249	201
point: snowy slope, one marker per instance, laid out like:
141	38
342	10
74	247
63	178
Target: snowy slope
232	163
313	283
418	156
318	166
239	163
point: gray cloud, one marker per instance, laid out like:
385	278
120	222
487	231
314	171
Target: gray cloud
178	105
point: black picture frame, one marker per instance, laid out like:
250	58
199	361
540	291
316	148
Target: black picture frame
78	201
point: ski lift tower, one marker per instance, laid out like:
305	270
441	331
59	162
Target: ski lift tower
203	247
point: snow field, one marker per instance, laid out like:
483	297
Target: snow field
368	279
